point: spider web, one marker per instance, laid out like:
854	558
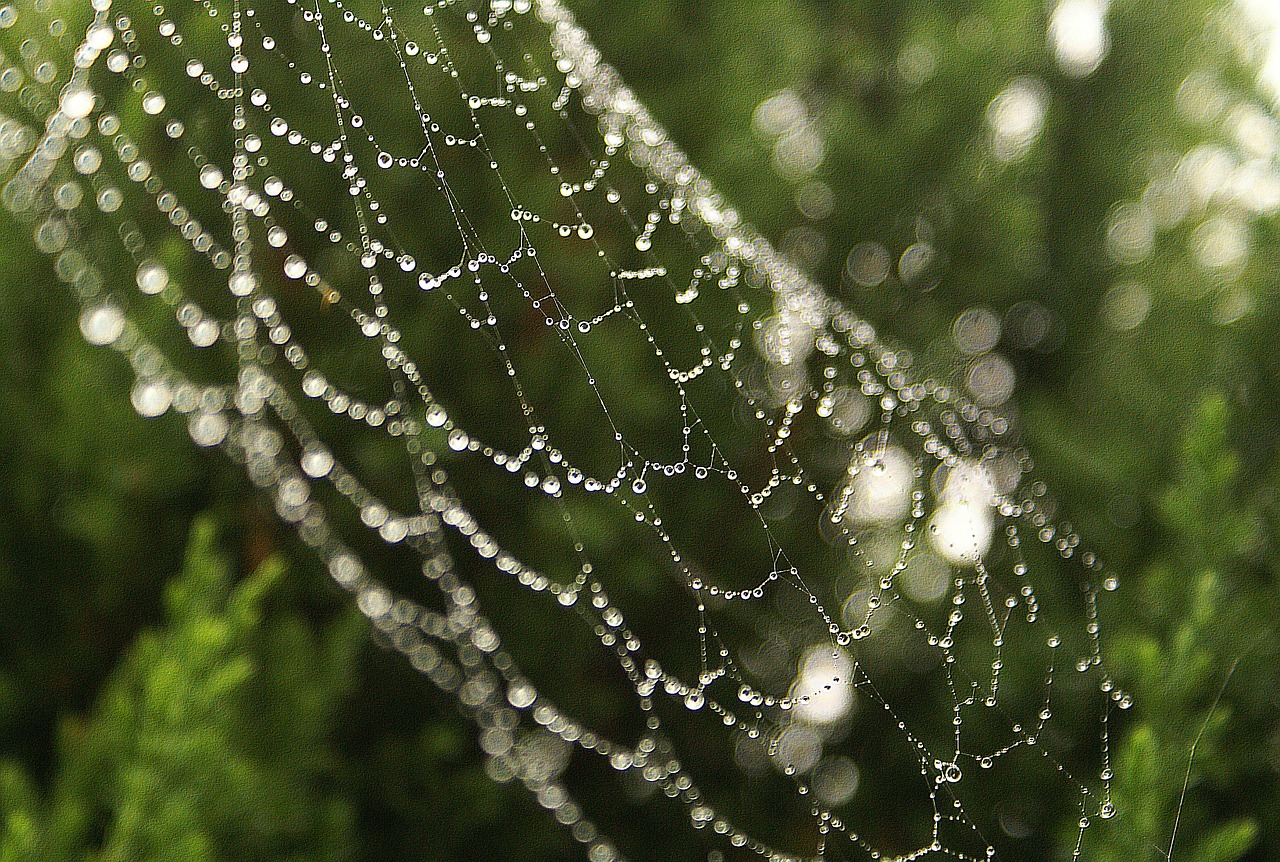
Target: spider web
438	275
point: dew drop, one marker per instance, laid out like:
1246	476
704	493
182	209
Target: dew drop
151	398
152	277
207	429
204	333
87	160
242	283
102	324
153	103
77	102
110	199
317	463
98	36
210	177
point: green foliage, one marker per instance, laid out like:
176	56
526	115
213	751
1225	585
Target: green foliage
210	741
1197	615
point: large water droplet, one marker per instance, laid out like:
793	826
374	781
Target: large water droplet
77	102
102	324
153	103
317	463
152	277
207	429
151	398
210	176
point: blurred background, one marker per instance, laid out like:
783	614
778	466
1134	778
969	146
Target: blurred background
1069	209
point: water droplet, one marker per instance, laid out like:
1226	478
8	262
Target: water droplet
98	36
316	463
152	277
242	283
204	333
151	398
210	176
207	429
87	160
102	324
110	199
153	103
77	102
68	195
